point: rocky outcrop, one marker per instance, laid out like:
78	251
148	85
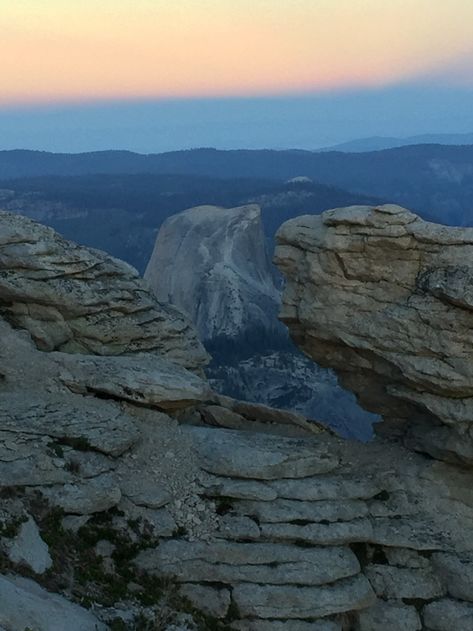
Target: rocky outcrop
132	495
77	300
212	264
384	298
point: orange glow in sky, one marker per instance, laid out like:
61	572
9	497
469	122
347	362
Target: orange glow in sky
65	50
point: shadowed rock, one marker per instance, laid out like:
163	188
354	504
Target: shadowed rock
79	300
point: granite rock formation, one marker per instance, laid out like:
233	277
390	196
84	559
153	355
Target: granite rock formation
385	299
212	264
130	495
78	300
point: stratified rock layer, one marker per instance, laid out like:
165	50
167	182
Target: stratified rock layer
78	300
386	299
126	485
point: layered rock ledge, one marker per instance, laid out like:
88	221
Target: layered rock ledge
132	497
385	299
78	300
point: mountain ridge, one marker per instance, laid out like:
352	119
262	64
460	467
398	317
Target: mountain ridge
378	143
271	163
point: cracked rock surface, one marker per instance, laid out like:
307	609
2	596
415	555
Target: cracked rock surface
130	492
385	299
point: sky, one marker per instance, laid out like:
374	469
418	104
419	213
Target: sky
154	75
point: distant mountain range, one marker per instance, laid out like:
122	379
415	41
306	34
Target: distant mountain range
377	143
435	181
218	163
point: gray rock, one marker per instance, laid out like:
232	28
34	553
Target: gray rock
292	625
335	533
448	615
327	488
404	557
96	495
213	602
238	527
387	616
293	510
24	604
74	522
286	602
223	417
249	562
159	520
26	461
397	583
239	489
28	548
457	574
145	379
69	418
213	265
145	492
75	299
258	413
408	532
264	457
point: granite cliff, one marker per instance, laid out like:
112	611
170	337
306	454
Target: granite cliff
133	497
213	264
385	299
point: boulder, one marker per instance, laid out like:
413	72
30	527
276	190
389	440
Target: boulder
387	615
89	496
28	548
457	574
143	379
404	583
263	563
292	510
291	625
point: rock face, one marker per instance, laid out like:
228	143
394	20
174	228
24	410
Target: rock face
212	264
128	486
77	300
385	299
